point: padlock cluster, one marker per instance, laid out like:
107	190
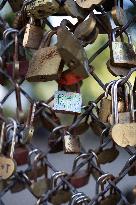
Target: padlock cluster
112	116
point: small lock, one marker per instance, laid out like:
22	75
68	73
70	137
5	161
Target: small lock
117	70
81	177
122	53
107	155
42	185
114	197
86	31
55	141
118	14
124	134
33	34
45	64
63	194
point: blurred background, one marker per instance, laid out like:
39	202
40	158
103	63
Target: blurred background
90	90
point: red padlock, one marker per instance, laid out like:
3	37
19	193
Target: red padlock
21	155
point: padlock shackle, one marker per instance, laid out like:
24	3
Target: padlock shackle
2	136
13	137
55	178
81	156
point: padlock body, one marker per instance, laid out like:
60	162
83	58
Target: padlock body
80	179
123	54
33	36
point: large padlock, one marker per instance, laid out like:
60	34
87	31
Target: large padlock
122	53
46	62
43	8
73	53
33	34
124	134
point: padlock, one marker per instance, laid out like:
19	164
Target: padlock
122	53
118	14
81	128
114	197
105	106
63	194
55	140
73	53
40	169
18	187
71	144
15	5
8	164
107	155
21	155
73	10
33	34
68	102
88	4
117	70
42	185
29	126
103	22
87	31
42	8
46	62
124	134
81	177
18	65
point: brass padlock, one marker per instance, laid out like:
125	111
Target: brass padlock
105	106
45	64
33	34
124	134
122	53
43	8
73	53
